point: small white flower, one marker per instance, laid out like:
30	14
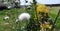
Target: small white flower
9	7
6	17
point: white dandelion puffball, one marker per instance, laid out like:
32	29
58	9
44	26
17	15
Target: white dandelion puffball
24	16
6	17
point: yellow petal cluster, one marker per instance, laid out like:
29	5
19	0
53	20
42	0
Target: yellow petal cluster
42	8
44	26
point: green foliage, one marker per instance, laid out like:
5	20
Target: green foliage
13	14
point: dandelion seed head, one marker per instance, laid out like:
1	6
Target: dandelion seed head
24	16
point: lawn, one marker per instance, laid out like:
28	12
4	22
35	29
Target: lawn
13	14
53	13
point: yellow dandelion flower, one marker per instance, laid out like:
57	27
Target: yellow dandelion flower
42	8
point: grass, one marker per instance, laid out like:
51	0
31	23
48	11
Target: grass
13	14
53	13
